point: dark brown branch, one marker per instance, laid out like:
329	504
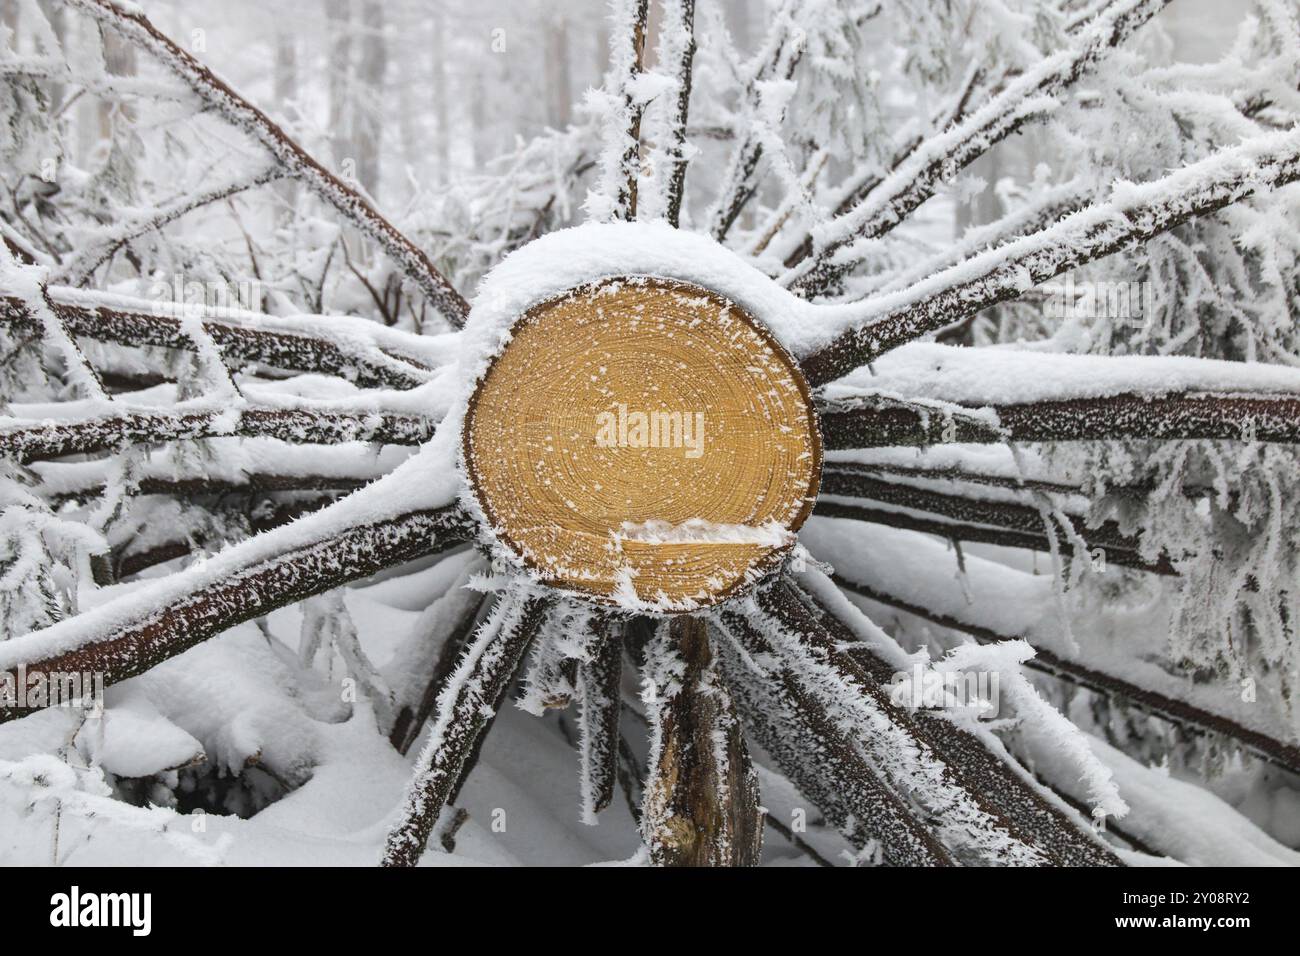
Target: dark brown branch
634	33
833	773
411	716
878	421
144	639
598	685
345	198
855	482
253	510
239	344
982	534
1045	825
1193	719
54	439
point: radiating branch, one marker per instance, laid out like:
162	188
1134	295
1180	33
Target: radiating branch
1029	96
26	442
240	342
1195	720
879	421
464	709
128	636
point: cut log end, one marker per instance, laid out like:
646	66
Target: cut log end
645	442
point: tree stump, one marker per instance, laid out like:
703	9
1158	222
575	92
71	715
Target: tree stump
643	441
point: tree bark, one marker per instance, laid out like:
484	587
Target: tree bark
701	801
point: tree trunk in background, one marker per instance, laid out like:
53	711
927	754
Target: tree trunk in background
119	60
739	14
285	88
368	113
339	15
57	17
441	94
557	75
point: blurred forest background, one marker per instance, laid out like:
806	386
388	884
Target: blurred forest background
411	94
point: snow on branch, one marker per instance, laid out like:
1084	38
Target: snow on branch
147	626
969	748
853	335
1033	94
242	338
819	755
623	106
27	441
600	703
465	705
777	60
883	421
1020	522
700	806
79	268
677	49
958	814
1195	720
131	23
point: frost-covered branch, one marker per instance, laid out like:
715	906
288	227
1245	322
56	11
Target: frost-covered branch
881	421
1029	96
976	754
621	150
134	26
1195	720
465	706
856	334
600	703
250	338
777	60
28	441
677	50
78	270
964	509
819	756
143	628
